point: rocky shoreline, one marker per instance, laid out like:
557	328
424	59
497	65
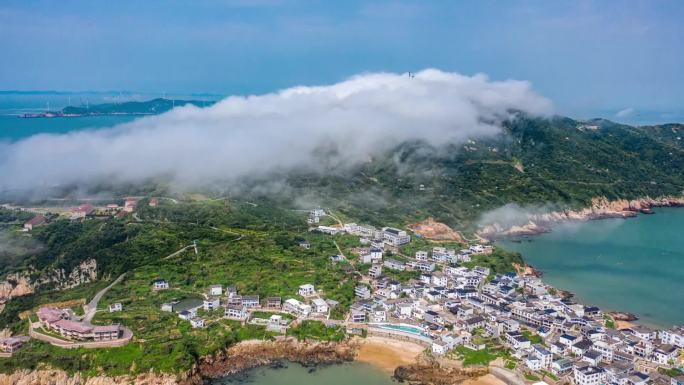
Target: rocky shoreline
600	208
425	373
251	354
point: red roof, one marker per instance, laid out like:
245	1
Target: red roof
49	314
35	221
86	208
73	326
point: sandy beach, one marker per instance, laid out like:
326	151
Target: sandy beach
619	325
387	354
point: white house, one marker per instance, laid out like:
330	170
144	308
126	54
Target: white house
319	306
674	336
297	308
197	322
375	254
379	316
375	271
307	290
358	316
589	375
421	255
215	290
439	347
187	314
439	279
115	307
362	292
544	356
394	264
236	311
404	310
160	284
395	237
210	304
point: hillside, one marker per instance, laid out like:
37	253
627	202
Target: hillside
532	162
149	107
250	238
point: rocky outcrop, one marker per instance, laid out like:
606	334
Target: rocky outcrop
600	208
250	354
58	377
438	231
431	373
16	285
23	283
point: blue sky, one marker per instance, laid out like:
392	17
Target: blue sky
589	57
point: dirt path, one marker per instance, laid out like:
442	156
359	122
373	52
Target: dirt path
91	307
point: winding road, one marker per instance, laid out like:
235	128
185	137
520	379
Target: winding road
91	307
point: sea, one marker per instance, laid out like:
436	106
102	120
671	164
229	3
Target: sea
295	374
634	265
13	104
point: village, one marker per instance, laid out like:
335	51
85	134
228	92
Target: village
453	308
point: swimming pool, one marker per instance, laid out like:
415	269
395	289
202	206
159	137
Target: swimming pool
405	328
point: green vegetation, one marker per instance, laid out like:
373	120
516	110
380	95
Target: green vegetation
267	315
536	161
317	330
154	106
251	240
534	338
499	261
552	376
475	357
608	321
531	377
672	372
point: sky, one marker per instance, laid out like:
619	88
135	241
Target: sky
609	58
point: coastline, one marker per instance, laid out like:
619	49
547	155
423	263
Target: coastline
624	317
600	208
388	354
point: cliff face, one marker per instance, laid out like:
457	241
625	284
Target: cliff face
58	377
600	208
22	283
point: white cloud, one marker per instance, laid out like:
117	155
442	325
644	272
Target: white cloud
624	113
242	136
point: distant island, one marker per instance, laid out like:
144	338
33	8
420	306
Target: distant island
150	107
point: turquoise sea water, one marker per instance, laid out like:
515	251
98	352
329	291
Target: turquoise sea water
13	128
634	265
294	374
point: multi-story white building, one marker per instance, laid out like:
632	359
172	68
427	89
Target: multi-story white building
297	308
674	336
421	255
319	306
589	375
307	290
395	237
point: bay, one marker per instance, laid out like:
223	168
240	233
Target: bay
295	374
13	128
634	265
